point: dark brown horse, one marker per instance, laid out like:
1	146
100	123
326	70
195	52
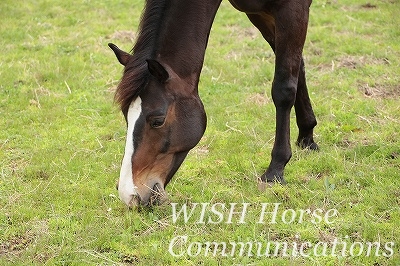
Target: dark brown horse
158	92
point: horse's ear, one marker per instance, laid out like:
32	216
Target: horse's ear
123	57
157	70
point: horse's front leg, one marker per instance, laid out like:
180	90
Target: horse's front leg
290	32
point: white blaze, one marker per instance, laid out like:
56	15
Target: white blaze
126	188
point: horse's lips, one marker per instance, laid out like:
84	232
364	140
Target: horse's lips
158	196
134	202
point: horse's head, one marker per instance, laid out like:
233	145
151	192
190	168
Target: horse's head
165	119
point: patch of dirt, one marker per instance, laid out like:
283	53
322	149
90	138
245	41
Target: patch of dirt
200	150
350	62
259	99
368	6
129	259
327	236
396	195
234	56
241	33
15	245
123	35
381	91
345	143
37	174
42	258
354	62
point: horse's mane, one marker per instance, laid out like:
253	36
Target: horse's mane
136	72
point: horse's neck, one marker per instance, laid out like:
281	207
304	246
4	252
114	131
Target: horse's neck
184	35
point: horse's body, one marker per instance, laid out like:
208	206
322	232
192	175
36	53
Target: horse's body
158	91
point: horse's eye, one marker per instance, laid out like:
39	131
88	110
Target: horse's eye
157	121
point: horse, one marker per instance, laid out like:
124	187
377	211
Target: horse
158	91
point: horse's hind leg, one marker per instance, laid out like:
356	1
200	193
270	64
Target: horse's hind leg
286	37
305	117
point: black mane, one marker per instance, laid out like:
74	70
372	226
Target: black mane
136	73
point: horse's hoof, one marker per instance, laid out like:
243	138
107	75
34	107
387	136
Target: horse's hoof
314	147
307	143
269	182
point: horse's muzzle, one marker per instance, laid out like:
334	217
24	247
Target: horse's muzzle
154	196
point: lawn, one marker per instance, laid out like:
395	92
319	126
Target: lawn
62	140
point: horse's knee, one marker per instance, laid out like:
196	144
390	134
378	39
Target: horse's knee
284	94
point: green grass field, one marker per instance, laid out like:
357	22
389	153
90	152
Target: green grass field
62	141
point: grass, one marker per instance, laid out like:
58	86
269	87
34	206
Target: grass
62	138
